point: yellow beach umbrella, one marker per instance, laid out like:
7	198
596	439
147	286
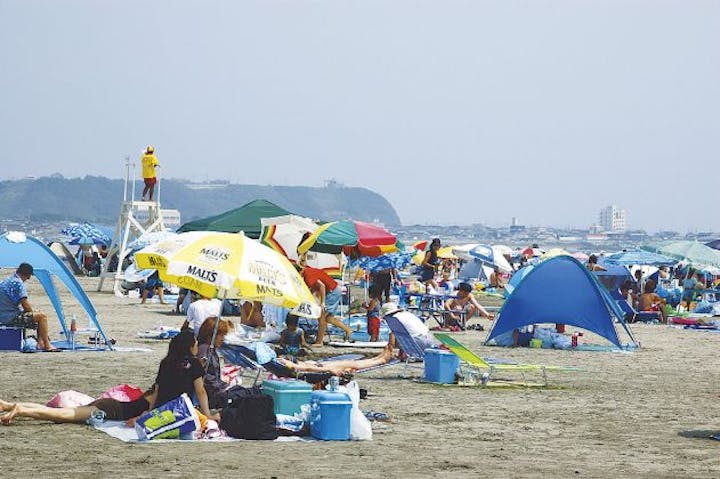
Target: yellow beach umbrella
551	253
229	265
446	253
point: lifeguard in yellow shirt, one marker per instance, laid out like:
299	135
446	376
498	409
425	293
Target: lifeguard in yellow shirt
149	163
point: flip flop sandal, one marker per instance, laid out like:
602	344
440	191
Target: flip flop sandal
377	416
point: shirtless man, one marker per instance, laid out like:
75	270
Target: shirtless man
339	367
649	301
465	303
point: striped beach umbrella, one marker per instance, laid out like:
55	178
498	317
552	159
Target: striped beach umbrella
344	236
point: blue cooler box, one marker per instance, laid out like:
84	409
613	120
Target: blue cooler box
11	339
440	366
330	415
288	395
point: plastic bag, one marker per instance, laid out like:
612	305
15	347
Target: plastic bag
176	419
360	427
69	398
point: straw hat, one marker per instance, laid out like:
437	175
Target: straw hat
389	308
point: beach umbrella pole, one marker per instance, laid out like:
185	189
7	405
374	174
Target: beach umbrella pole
217	323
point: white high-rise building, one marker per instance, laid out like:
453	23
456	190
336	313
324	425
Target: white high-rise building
613	218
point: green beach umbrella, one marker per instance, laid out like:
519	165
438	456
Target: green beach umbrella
691	252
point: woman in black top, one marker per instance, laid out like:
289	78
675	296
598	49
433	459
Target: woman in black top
180	372
429	264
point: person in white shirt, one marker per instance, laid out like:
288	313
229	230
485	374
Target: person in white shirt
199	311
414	325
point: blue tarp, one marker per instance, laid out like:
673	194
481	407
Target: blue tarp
560	290
45	263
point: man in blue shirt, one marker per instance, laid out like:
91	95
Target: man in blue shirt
15	309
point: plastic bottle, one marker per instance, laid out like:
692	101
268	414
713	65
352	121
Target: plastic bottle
333	383
96	417
73	330
574	340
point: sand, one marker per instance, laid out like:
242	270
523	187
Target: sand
641	414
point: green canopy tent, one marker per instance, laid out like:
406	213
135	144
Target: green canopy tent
246	218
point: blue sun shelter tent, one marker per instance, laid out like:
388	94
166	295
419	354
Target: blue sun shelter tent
16	248
561	290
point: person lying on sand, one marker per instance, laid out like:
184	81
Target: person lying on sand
179	372
114	410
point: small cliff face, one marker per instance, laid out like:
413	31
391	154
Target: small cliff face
97	199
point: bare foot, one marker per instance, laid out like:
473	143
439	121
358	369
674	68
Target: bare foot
8	417
317	345
6	406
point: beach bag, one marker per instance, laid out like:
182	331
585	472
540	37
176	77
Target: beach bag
176	419
249	414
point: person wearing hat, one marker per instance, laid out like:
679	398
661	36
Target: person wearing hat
464	306
149	163
414	325
15	309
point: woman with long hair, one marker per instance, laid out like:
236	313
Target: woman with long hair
179	372
214	385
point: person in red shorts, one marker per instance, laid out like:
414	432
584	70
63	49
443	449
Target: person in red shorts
373	312
149	163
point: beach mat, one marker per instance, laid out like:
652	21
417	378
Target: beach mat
359	344
161	333
119	430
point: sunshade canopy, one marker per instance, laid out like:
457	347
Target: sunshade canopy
560	290
246	219
16	248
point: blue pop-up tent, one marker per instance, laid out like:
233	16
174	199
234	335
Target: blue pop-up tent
16	248
561	290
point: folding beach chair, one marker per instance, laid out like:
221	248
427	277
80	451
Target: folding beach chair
246	358
475	361
407	343
631	315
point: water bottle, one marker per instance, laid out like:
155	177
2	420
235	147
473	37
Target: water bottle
73	330
96	418
574	340
333	383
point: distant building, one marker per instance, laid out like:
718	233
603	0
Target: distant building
612	218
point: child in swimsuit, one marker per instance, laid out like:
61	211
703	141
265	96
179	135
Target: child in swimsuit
373	312
292	338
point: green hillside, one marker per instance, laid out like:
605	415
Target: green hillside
97	199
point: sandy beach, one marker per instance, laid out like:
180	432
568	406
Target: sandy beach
641	414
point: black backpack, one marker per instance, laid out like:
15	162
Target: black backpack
249	414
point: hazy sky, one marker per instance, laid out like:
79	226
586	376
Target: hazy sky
457	112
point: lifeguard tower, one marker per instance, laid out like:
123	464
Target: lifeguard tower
136	218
